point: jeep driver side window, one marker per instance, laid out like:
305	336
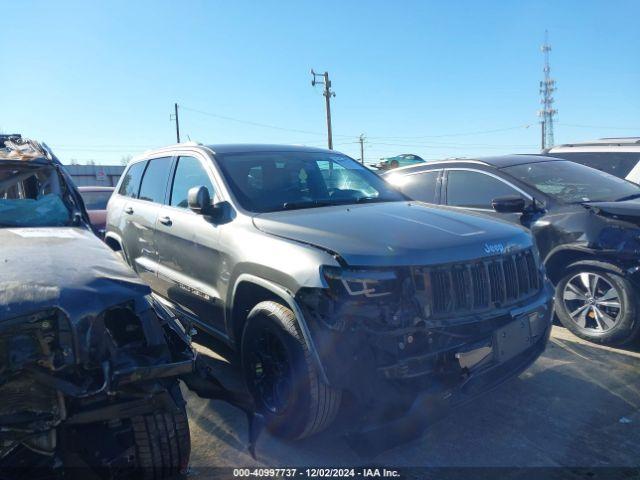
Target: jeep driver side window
189	173
154	181
475	190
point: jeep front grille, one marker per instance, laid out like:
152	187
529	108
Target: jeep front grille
472	287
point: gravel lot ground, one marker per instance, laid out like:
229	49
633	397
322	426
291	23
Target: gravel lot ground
578	406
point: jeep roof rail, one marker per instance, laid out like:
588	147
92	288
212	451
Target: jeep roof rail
190	143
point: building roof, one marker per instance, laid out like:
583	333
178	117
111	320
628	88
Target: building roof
93	169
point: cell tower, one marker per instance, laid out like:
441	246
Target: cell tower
547	87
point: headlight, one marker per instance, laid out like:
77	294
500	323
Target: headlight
361	283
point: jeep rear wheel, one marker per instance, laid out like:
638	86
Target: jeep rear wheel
596	303
281	375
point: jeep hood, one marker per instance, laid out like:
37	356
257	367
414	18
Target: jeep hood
65	268
395	233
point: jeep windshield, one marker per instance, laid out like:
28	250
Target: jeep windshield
31	196
275	181
572	182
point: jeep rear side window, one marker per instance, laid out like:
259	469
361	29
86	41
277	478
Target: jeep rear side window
189	174
131	181
154	181
475	190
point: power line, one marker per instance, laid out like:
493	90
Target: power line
479	132
598	127
453	146
308	132
255	124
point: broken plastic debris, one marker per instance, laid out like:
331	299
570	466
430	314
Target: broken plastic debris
625	420
21	149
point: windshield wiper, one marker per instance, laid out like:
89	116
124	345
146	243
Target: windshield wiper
328	203
306	204
370	199
628	197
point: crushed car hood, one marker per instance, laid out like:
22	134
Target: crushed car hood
627	208
65	268
395	233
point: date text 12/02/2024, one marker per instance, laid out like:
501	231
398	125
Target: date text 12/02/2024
316	472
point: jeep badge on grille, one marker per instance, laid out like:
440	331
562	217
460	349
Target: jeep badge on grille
493	248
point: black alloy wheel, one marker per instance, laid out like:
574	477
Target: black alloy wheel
271	374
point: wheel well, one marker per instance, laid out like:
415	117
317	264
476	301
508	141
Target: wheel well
557	263
247	296
113	244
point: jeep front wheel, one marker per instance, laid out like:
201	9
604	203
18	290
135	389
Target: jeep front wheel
281	375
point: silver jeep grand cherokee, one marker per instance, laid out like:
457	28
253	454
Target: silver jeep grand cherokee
330	283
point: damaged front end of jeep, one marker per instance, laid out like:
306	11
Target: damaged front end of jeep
396	337
60	374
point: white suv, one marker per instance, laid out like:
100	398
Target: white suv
617	156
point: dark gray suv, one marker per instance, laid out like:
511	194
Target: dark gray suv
328	282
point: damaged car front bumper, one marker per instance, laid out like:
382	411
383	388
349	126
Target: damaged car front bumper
401	357
53	376
509	352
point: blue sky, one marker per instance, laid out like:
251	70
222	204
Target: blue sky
97	80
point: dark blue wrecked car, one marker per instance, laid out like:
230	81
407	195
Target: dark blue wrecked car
89	361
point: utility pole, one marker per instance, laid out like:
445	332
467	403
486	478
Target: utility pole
327	95
547	87
175	117
361	140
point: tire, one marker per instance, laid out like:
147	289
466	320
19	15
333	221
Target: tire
153	446
394	164
309	404
600	322
162	444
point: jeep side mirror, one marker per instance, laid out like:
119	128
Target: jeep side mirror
199	200
511	204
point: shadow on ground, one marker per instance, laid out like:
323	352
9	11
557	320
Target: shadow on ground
579	405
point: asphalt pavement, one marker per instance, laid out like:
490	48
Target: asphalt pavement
577	406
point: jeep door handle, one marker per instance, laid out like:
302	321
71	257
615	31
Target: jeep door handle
165	220
128	210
